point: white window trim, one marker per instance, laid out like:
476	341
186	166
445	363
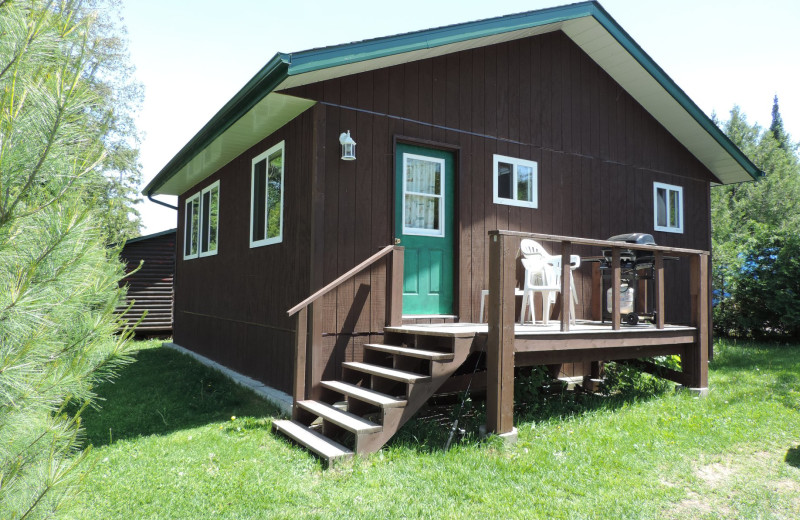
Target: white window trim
496	160
417	231
187	225
265	155
203	224
668	187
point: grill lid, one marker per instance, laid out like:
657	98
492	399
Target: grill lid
634	238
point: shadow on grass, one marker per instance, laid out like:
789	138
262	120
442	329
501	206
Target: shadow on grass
429	431
164	391
793	457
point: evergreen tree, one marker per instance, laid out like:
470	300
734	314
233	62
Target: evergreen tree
776	127
755	233
59	281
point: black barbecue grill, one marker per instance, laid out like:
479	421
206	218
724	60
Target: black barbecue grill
631	258
634	265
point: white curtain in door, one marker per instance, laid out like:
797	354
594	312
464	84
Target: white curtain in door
423	194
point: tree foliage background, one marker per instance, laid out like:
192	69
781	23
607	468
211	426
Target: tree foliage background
68	169
756	236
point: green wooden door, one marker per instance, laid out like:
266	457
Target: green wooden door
425	224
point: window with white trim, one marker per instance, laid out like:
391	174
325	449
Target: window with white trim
423	195
266	197
201	223
209	220
515	181
191	227
667	207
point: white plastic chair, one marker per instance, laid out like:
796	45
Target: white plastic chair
540	277
485	294
543	275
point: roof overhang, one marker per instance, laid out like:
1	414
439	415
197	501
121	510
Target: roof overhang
232	130
254	113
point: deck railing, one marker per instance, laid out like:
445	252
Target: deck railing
308	332
503	247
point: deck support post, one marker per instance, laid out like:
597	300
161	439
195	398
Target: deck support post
597	372
394	287
658	265
299	380
566	286
500	347
696	362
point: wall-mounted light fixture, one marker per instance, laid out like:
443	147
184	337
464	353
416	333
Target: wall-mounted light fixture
348	146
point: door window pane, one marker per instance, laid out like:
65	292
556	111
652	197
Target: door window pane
422	212
423	176
423	194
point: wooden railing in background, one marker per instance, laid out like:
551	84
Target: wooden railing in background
308	335
503	247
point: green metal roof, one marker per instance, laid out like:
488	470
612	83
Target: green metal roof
587	23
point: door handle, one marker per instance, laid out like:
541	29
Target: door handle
396	241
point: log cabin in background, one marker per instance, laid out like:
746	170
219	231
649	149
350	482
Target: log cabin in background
150	288
362	280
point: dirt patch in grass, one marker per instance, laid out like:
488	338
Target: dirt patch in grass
787	486
692	507
725	484
715	475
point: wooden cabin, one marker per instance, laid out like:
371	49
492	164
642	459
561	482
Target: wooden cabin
150	263
360	279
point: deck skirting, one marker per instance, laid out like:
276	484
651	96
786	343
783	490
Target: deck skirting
601	340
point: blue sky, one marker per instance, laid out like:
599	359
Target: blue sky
193	56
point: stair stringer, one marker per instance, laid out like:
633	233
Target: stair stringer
417	395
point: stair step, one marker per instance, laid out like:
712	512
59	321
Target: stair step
411	352
346	420
319	444
365	394
388	373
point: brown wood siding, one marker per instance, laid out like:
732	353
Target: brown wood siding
231	307
149	287
542	99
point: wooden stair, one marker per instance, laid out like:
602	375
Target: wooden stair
374	398
322	446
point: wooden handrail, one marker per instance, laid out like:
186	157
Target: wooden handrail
352	272
309	321
600	243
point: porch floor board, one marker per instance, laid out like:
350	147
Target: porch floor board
538	344
582	327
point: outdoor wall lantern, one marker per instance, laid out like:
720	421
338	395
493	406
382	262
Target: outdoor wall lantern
348	146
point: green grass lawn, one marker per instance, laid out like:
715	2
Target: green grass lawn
166	445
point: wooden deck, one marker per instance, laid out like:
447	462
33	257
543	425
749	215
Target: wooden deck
536	344
415	361
507	348
582	327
